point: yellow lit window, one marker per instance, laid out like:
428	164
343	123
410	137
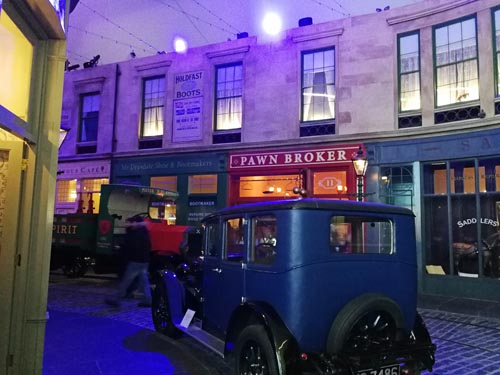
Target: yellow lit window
203	184
66	191
164	182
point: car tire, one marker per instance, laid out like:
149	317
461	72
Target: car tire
365	324
254	353
160	310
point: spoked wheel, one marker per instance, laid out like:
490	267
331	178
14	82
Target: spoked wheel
75	267
372	332
254	352
367	324
162	319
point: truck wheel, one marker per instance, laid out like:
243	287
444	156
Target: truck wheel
369	323
75	267
254	352
162	319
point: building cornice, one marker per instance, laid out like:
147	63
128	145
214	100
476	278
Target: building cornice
226	52
428	12
319	35
153	65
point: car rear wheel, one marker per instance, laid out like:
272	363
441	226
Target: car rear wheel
254	352
367	324
160	309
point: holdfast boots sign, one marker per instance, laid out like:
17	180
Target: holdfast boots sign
187	111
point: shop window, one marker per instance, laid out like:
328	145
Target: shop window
202	184
330	183
396	186
361	235
164	182
66	191
409	72
318	85
456	62
228	97
164	210
89	194
233	241
462	225
264	239
89	117
152	107
276	186
16	51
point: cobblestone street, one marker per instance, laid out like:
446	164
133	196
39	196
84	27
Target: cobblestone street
467	344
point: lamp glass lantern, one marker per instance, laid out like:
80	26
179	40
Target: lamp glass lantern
360	163
63	132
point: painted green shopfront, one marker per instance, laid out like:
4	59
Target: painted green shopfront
452	183
199	178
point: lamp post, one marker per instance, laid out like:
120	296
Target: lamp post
359	163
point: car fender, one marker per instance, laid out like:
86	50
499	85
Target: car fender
285	346
176	294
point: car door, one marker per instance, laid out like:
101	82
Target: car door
224	274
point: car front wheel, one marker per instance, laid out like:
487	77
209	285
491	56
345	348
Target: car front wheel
160	308
254	352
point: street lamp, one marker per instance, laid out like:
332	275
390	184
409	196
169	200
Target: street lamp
359	162
63	132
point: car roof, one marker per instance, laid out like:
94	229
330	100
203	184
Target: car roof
312	204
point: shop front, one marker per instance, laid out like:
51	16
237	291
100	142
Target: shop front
200	180
457	200
321	171
79	185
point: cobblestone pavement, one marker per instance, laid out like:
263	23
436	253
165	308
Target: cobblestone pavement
467	345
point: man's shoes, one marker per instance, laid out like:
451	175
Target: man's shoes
112	302
144	304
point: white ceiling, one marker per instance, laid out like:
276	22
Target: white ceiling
115	28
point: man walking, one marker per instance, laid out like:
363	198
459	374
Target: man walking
136	250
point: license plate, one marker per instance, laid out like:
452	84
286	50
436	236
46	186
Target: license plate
385	370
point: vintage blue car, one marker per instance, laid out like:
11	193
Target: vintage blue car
300	287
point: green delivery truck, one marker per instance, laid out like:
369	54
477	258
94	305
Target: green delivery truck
83	240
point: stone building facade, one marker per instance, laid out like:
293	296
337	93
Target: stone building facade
414	88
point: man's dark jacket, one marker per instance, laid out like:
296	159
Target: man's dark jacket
137	243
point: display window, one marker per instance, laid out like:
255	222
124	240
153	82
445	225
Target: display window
461	217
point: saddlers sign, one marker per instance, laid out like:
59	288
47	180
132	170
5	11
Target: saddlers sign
338	154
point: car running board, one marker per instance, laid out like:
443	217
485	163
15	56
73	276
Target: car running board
203	337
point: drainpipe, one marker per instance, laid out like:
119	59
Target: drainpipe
115	109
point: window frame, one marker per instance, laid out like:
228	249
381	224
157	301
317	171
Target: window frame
82	119
496	51
217	98
146	108
419	71
435	66
302	88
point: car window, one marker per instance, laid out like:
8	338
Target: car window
212	238
233	240
264	239
361	235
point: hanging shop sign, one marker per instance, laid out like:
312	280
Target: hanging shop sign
327	155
